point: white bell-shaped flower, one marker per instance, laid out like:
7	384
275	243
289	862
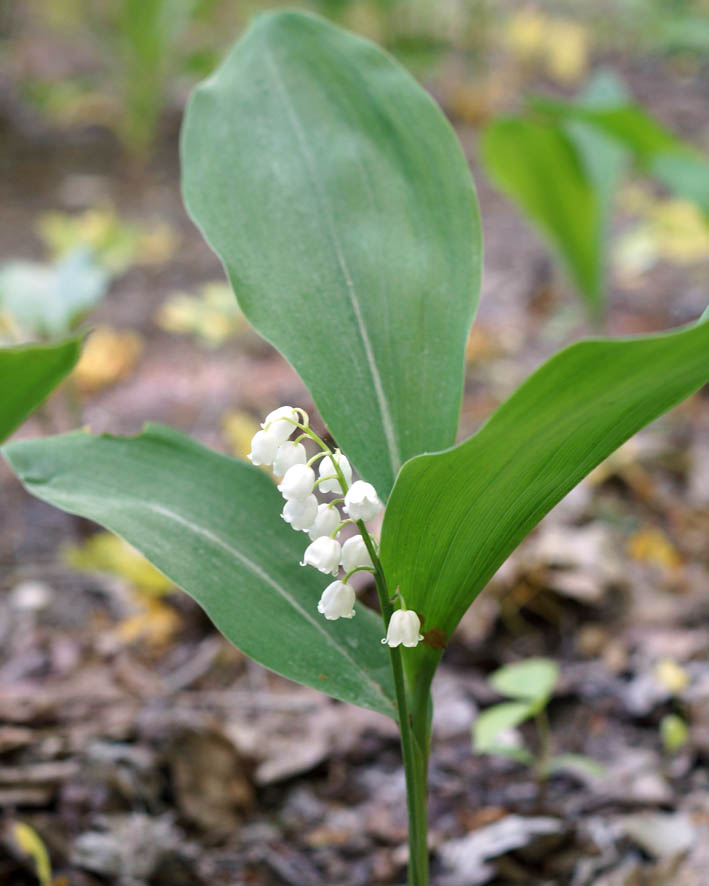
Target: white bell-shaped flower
324	554
301	514
404	628
355	554
289	454
279	423
263	448
361	501
337	601
327	469
298	483
326	522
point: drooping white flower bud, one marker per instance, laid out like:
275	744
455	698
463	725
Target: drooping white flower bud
263	448
404	628
301	514
337	601
298	483
289	454
326	522
323	554
274	423
355	554
327	469
361	501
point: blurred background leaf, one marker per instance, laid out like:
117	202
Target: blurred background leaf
47	301
106	552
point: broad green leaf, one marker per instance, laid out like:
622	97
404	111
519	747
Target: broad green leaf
47	300
539	167
496	719
212	525
28	374
532	680
339	200
455	516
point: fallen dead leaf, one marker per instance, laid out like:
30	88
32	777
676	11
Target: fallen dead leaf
108	356
651	545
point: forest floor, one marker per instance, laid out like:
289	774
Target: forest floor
146	750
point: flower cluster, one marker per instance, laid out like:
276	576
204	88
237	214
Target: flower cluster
323	521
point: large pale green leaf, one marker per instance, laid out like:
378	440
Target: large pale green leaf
341	204
27	376
453	517
211	524
540	167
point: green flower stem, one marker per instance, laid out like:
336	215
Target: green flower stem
414	752
357	569
311	461
413	726
308	432
336	530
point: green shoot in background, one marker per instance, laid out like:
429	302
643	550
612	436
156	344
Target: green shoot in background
562	162
530	685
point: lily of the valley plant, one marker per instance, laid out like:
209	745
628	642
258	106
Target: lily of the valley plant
342	207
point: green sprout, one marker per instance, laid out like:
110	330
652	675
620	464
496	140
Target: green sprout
530	685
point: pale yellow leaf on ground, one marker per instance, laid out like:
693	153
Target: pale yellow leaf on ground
155	626
557	45
30	843
116	244
106	552
108	355
671	676
212	316
651	545
238	428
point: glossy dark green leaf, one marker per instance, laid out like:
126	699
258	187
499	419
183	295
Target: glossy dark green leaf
540	167
339	200
211	524
28	374
454	517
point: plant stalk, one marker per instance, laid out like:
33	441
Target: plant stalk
414	738
413	726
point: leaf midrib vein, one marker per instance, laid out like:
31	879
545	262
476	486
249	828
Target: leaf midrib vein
384	410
